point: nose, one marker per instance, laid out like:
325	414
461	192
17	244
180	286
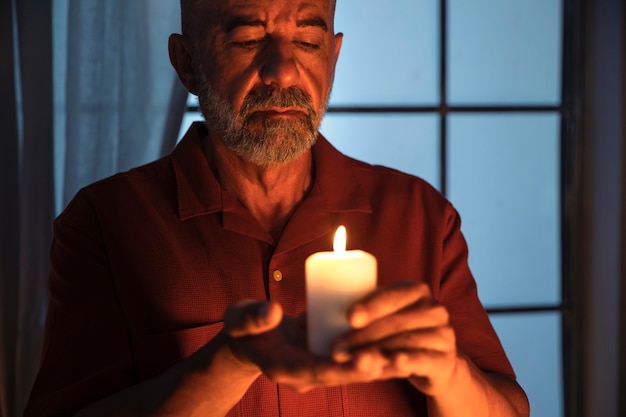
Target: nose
279	66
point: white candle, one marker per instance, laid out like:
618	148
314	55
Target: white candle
335	280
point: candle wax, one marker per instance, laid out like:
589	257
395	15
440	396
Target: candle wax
334	281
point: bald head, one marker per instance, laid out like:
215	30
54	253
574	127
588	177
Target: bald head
188	9
191	9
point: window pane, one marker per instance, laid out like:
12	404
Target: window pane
503	173
408	143
533	344
389	53
188	118
504	51
192	100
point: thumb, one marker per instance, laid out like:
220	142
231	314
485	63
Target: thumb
250	317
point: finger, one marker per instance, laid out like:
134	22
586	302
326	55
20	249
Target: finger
440	339
422	364
428	371
366	366
387	300
426	367
415	317
250	317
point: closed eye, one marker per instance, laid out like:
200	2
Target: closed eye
248	44
308	45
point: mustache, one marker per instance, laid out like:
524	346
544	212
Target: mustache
268	96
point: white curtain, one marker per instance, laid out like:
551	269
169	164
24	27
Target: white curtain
124	102
86	90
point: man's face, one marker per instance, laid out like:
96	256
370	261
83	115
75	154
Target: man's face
264	69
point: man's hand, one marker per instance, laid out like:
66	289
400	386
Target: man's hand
400	332
260	335
403	329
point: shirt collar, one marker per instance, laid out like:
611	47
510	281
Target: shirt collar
199	193
336	180
198	190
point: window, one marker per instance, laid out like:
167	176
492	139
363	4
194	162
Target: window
470	96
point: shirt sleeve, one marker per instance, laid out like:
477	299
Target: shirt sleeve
86	353
475	335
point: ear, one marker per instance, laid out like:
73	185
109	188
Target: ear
182	57
338	42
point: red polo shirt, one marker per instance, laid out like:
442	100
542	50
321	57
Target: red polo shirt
145	263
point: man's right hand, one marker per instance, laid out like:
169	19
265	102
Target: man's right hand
260	335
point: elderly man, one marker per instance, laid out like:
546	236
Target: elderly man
177	288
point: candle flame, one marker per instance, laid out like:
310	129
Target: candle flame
339	244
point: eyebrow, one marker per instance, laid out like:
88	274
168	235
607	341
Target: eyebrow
315	22
239	21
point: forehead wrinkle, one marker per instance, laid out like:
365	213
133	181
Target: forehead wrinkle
192	9
239	21
249	13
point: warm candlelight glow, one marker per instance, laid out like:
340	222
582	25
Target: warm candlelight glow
334	281
339	243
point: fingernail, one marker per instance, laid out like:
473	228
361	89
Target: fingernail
400	360
359	317
365	362
341	353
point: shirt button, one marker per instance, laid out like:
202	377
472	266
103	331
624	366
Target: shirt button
278	276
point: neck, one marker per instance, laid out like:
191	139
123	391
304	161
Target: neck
271	194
